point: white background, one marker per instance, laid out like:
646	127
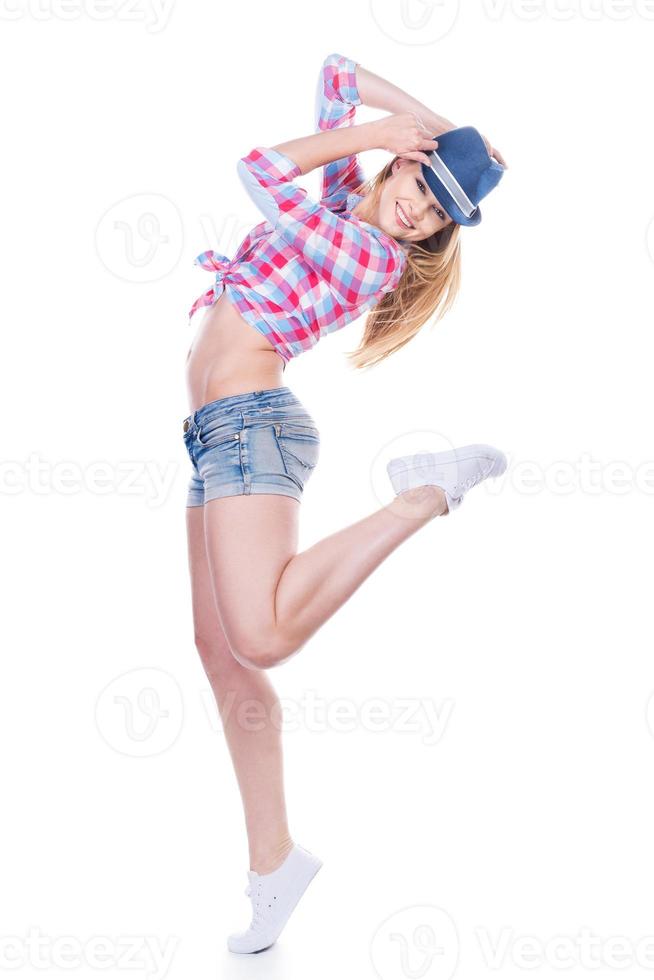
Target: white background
523	621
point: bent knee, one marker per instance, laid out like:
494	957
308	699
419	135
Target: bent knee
263	656
255	659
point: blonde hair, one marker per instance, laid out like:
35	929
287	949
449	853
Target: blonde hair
429	285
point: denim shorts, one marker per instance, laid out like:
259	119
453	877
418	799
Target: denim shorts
257	442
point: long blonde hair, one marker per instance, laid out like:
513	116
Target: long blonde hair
429	285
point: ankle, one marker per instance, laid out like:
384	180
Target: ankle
268	859
426	501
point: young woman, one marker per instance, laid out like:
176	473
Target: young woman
391	246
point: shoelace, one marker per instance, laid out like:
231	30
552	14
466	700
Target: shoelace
258	918
259	915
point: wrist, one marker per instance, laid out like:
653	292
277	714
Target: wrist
437	124
377	137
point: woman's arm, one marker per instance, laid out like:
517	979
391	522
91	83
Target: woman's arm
400	134
378	93
309	152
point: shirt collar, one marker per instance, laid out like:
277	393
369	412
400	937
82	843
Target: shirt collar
352	200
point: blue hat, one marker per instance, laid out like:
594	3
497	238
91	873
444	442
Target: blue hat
461	172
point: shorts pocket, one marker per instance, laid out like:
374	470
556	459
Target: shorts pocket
299	444
218	432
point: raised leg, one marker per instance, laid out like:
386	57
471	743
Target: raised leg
250	713
271	600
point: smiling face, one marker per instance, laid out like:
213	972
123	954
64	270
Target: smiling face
408	209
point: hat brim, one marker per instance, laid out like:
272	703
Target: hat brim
447	201
462	219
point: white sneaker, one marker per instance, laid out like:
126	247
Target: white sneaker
274	896
455	471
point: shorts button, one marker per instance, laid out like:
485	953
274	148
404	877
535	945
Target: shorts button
236	435
185	425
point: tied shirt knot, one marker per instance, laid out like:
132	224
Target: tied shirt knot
212	262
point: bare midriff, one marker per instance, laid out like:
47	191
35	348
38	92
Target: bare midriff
229	356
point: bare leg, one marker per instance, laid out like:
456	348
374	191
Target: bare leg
271	599
249	710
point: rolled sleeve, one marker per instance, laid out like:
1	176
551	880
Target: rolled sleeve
337	92
267	176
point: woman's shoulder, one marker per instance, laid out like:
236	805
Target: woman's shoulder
388	245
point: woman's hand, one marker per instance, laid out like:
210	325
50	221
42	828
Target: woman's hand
405	135
494	153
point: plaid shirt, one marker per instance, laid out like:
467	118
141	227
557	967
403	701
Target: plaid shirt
309	268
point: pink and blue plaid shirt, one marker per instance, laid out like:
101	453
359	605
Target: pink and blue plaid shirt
309	268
